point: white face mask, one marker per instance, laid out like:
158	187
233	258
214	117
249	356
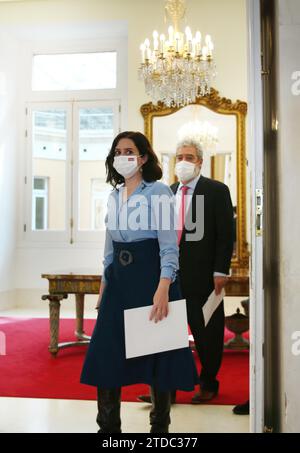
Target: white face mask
126	166
186	170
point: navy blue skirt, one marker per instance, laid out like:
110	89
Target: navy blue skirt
132	279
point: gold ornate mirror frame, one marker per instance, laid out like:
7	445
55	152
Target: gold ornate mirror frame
240	261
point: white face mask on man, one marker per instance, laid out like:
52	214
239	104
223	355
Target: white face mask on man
126	166
185	171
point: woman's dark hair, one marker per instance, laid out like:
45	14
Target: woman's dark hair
151	169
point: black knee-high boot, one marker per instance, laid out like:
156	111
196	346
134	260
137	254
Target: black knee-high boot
160	411
109	404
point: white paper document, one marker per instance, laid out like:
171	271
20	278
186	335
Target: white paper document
211	305
143	337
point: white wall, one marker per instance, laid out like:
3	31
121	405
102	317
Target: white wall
224	20
8	135
289	190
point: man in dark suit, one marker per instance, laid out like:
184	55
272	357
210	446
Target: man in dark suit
204	261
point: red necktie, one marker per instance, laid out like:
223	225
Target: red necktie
181	217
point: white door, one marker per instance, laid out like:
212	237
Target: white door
255	141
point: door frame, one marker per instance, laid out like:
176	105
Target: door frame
256	153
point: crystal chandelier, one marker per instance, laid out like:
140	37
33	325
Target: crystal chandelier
180	67
203	132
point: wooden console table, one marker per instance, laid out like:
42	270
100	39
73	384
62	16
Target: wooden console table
60	286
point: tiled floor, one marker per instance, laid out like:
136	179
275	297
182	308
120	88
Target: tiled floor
28	415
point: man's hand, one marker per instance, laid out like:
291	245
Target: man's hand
220	283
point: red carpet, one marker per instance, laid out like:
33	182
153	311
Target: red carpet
28	370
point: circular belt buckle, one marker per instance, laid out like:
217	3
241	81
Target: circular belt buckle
125	257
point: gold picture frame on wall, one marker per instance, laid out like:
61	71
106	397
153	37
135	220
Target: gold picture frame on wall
223	106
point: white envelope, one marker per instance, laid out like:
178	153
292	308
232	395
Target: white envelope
143	337
211	305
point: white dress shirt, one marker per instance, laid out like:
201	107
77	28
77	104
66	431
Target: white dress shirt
189	194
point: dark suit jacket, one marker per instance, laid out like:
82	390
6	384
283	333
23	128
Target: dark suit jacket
198	260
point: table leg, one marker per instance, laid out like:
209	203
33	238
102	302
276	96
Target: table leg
54	306
79	332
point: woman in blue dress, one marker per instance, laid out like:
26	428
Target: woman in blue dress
140	266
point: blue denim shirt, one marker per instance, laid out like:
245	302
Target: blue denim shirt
148	213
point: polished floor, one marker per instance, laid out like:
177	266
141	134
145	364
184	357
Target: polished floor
25	415
28	415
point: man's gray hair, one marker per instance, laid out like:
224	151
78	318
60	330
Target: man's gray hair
191	142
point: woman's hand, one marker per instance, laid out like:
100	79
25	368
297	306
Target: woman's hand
160	307
102	286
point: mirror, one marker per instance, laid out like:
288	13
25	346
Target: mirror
222	123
